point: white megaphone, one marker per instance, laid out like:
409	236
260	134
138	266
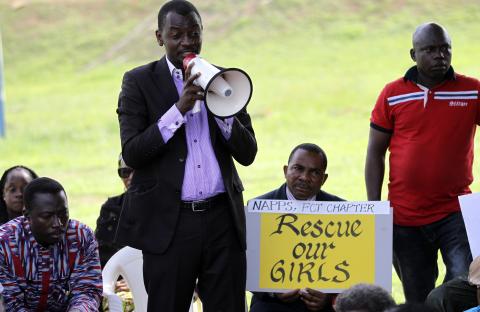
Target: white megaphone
227	91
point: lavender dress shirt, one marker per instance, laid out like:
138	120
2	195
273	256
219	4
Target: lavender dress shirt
202	178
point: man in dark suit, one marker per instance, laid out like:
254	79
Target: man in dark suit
305	175
184	208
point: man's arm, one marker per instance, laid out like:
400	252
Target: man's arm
242	143
288	296
12	294
141	139
378	143
86	277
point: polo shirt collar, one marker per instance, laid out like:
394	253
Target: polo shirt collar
412	74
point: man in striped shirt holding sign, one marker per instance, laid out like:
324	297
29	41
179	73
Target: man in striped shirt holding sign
48	262
427	119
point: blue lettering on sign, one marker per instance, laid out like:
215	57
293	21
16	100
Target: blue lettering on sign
347	207
273	205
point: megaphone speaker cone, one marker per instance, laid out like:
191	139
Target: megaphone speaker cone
218	102
227	91
220	86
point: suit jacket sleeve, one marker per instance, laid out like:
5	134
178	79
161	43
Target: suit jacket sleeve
141	138
242	144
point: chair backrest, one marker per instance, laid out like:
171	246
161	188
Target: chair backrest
127	262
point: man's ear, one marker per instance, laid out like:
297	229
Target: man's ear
285	169
412	55
325	177
158	35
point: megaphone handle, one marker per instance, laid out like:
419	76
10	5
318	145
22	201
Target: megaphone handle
196	107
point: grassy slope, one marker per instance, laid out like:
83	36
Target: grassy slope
317	68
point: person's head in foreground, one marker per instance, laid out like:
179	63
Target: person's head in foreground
12	184
179	30
432	51
305	172
364	298
46	208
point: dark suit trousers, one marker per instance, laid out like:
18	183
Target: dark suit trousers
205	246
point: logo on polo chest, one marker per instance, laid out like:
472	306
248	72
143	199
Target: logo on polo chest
457	98
457	104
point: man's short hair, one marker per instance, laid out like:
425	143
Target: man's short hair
310	147
40	185
367	297
181	7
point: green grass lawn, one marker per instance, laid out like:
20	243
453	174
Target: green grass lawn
317	69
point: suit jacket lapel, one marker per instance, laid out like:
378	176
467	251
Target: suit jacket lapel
212	126
282	192
164	81
320	196
169	95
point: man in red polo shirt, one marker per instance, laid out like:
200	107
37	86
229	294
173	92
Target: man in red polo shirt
427	119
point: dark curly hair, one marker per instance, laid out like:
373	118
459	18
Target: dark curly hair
3	180
364	297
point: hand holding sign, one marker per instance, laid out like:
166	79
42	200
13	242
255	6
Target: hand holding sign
314	300
289	296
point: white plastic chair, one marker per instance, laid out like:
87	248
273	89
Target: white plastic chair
127	262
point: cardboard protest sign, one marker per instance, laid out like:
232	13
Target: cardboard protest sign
328	246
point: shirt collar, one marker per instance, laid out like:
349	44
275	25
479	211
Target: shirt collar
291	197
175	72
412	74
